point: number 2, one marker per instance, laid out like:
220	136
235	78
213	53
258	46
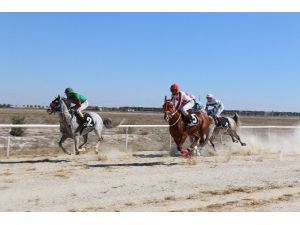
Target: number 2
89	121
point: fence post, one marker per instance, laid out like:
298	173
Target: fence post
126	141
170	142
8	144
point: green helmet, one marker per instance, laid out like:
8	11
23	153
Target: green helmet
69	91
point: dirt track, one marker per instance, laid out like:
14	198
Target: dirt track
264	176
151	181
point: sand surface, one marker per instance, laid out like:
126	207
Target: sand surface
264	176
150	181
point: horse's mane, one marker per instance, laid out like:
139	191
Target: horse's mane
67	103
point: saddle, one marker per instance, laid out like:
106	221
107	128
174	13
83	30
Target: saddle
197	107
194	117
222	122
86	122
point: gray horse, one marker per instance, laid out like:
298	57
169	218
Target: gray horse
231	129
71	128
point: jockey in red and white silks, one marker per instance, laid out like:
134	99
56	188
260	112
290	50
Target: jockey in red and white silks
182	102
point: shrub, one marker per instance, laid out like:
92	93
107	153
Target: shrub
18	132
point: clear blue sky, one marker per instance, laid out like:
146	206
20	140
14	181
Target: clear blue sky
248	60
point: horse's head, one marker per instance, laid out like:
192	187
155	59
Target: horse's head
168	109
55	105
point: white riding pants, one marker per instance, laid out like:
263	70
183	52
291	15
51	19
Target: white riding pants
83	106
187	107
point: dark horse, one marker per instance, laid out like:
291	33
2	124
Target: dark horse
200	133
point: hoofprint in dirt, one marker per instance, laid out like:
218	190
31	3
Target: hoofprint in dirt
261	177
150	181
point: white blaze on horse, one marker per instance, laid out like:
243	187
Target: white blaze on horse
70	125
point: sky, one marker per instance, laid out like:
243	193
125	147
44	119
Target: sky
250	61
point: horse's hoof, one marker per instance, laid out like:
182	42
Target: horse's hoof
191	151
187	156
77	153
185	152
244	144
82	150
68	153
198	152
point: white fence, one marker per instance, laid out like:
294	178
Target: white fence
269	128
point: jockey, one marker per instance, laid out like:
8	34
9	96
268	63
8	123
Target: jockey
214	108
80	102
182	102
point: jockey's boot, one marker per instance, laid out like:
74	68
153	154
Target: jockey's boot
218	121
80	117
190	120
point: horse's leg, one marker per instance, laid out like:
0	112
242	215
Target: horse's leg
62	140
216	133
209	136
76	142
213	145
180	142
233	139
200	143
233	135
98	132
85	140
192	138
239	139
195	143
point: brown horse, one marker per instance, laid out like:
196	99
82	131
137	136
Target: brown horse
180	131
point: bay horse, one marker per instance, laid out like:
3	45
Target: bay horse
199	133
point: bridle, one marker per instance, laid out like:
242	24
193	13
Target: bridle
55	107
172	125
169	115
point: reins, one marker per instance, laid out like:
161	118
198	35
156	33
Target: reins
177	119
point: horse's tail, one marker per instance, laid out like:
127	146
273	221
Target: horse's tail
108	123
237	119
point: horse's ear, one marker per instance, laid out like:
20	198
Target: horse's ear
58	96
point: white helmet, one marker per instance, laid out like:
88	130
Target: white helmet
209	96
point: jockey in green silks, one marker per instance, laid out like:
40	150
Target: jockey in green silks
80	102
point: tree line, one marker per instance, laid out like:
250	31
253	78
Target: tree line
23	106
5	106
